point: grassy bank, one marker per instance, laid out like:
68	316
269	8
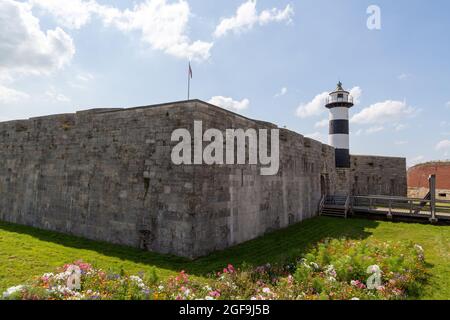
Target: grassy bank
26	252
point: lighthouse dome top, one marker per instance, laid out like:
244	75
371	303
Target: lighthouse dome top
339	98
339	88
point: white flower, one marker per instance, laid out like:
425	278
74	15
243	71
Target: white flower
140	283
330	271
187	292
314	265
135	278
161	288
63	275
209	298
354	298
266	290
12	290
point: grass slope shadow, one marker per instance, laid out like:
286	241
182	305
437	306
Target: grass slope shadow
275	247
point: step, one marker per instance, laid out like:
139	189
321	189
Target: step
338	211
333	215
333	212
334	206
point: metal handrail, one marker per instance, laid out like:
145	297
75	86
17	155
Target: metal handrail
347	206
399	198
322	203
413	205
332	99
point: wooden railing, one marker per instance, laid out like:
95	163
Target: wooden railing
414	207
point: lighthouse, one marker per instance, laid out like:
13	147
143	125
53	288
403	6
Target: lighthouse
339	103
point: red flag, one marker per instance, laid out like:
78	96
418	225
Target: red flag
190	70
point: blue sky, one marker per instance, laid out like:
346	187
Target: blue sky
268	60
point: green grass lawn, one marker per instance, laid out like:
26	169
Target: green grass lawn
27	252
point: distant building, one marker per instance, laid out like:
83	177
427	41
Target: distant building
418	179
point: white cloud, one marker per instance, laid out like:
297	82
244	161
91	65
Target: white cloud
85	77
383	112
400	143
82	80
400	127
71	14
25	48
162	25
247	16
8	95
313	108
356	93
448	104
322	123
404	76
229	103
443	145
374	129
317	105
53	95
282	92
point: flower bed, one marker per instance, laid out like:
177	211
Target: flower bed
334	269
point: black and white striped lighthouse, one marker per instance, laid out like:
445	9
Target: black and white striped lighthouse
339	103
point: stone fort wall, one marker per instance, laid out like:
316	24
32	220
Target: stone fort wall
108	175
376	175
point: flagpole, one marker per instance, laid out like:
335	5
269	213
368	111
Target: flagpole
189	81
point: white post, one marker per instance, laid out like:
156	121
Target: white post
389	216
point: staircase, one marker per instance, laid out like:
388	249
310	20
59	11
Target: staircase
335	206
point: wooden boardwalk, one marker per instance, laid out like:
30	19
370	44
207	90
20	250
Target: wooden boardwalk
390	208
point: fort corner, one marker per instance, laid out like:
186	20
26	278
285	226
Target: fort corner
107	174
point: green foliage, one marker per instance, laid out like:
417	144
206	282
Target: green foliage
315	278
27	252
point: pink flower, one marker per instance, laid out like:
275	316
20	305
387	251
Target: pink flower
83	265
182	277
358	284
229	269
215	294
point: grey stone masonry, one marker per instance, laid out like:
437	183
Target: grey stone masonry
376	175
107	174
